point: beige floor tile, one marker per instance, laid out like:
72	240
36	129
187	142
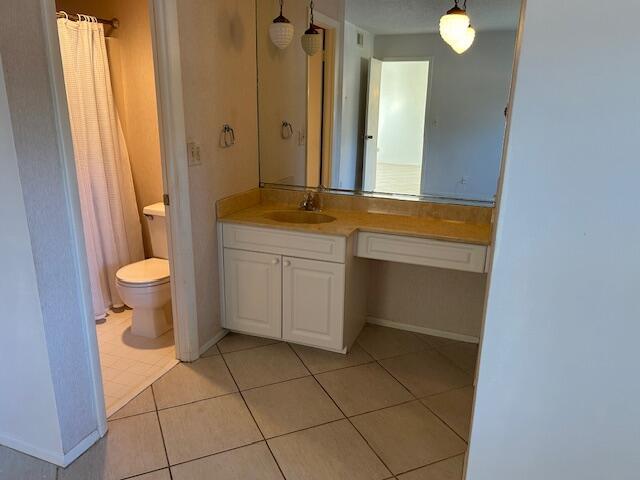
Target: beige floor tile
426	373
434	341
233	342
157	475
132	446
290	406
454	408
319	361
204	428
211	352
450	469
143	403
334	451
363	388
408	436
265	365
190	382
246	463
383	342
16	465
464	355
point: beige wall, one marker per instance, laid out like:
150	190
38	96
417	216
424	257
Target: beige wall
218	54
283	95
446	300
131	61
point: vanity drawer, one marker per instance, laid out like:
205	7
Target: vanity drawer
285	242
421	251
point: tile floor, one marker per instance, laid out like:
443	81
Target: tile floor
130	363
396	407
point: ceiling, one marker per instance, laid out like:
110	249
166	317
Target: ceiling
384	17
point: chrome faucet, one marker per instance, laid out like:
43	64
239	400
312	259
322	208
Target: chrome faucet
310	202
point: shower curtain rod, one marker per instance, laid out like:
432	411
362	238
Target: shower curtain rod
114	22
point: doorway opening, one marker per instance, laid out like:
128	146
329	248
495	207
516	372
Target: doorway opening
110	86
396	128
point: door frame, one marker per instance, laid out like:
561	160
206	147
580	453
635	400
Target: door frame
166	50
427	131
369	174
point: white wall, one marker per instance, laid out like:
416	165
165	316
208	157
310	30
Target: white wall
28	416
355	78
51	222
558	394
403	100
468	94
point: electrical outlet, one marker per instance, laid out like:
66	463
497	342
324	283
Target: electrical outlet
193	154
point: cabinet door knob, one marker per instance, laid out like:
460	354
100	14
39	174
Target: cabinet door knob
287	263
275	261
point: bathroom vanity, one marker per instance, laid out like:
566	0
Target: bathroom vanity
301	276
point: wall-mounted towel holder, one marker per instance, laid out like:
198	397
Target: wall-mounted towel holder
227	136
287	130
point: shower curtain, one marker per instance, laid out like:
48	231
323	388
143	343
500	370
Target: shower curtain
110	219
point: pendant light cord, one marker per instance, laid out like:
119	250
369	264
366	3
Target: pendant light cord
281	3
311	13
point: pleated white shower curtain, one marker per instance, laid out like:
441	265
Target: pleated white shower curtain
110	218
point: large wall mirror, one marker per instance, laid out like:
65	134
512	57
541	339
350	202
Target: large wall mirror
385	97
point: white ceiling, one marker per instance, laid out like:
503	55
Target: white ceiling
423	16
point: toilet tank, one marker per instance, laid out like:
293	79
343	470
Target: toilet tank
155	218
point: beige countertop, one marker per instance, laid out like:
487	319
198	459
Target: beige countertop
349	222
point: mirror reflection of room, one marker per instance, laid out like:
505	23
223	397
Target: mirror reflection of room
391	103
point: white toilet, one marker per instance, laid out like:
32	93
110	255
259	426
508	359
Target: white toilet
144	286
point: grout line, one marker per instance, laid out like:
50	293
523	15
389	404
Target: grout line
147	473
164	445
442	420
394	377
446	391
275	342
431	463
350	422
214	454
254	418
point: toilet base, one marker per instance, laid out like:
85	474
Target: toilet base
151	322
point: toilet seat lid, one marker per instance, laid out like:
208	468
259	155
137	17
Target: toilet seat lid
151	271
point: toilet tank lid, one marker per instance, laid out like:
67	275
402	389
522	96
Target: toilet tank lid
157	209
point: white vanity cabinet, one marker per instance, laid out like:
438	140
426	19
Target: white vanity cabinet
292	285
253	292
312	302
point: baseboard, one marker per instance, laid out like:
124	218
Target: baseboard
427	331
80	448
57	458
216	338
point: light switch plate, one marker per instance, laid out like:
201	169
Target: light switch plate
193	154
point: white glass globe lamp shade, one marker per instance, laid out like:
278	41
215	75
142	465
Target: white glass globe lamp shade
281	31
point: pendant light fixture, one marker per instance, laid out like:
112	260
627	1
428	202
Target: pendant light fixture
281	30
311	40
456	30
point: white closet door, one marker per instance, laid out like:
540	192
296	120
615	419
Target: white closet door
312	302
253	292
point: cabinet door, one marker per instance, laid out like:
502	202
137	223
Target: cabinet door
253	292
312	302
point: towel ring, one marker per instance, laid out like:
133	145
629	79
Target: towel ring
286	131
228	136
